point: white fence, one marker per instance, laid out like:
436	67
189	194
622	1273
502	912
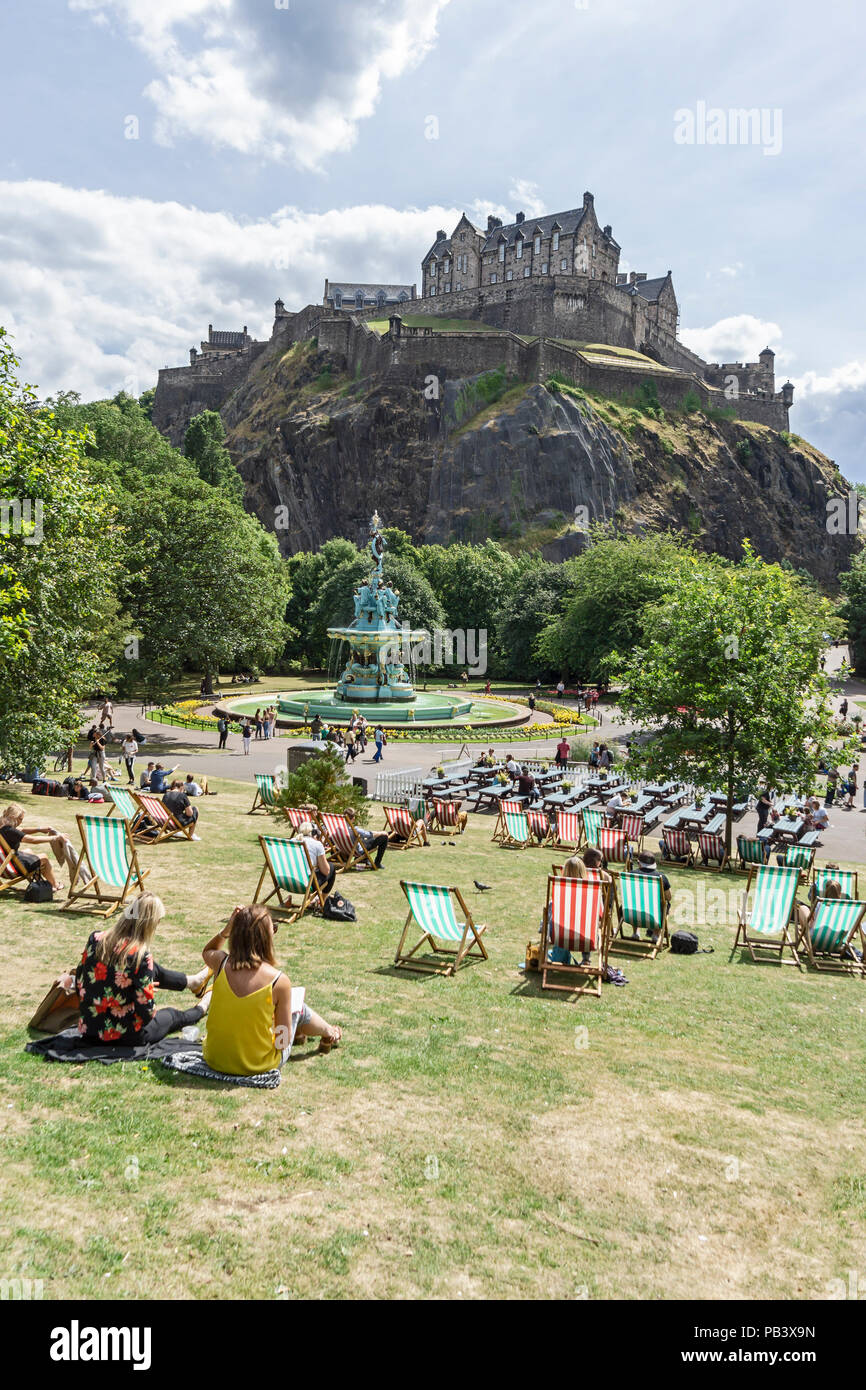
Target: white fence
396	784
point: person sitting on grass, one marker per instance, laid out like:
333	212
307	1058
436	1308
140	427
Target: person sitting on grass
370	841
14	835
251	1026
144	780
159	779
117	977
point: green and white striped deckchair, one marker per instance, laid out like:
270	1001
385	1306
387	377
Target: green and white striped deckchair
265	792
750	852
515	830
771	913
292	876
846	878
828	935
431	907
592	823
107	860
641	906
800	857
122	802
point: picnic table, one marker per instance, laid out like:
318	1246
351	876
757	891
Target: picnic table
553	801
492	795
695	817
786	832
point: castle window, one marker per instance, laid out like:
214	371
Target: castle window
359	299
563	265
555	241
462	236
544	267
338	299
518	248
502	250
593	249
537	246
432	291
527	271
493	278
448	287
459	287
509	274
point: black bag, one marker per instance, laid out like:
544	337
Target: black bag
339	909
39	890
685	943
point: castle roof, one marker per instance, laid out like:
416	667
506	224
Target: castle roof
349	287
219	338
647	289
565	222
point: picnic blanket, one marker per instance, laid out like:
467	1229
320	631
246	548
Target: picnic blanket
191	1063
69	1047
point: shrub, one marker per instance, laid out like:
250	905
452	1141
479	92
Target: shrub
744	450
321	781
691	402
667	447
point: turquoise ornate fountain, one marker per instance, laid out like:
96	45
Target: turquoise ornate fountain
375	670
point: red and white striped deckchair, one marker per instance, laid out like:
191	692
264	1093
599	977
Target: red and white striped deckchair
712	847
403	829
13	874
540	829
575	920
168	827
343	843
447	818
632	826
568	830
296	815
614	846
677	845
505	808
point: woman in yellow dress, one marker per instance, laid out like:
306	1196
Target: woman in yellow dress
251	1026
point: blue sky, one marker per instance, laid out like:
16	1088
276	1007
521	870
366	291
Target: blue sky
279	143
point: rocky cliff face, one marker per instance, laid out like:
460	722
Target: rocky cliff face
318	450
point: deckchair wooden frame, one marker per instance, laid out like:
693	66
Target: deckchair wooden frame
806	855
168	827
706	839
20	876
296	815
343	842
589	972
264	797
446	817
633	824
569	830
91	889
506	806
834	962
746	865
593	827
401	815
614	845
286	906
822	874
764	875
670	839
643	946
468	947
512	821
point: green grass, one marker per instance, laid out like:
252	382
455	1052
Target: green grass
701	1138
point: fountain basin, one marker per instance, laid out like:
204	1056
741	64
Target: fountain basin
428	708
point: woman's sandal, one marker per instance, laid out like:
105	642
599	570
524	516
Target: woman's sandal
325	1044
199	991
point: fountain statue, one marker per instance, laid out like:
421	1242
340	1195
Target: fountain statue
377	666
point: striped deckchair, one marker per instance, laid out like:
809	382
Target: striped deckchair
540	829
447	818
712	847
800	857
292	876
568	830
401	827
13	874
504	808
296	815
574	920
592	822
343	843
828	935
122	802
633	827
614	846
515	834
158	814
677	845
751	852
107	860
265	792
766	926
431	907
846	878
641	905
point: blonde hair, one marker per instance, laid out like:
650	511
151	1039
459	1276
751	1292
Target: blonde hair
574	867
12	815
134	929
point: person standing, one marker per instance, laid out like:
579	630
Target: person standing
560	689
851	788
362	732
97	754
832	780
130	749
106	713
380	741
351	750
531	702
316	728
843	709
246	735
223	727
765	806
563	750
257	720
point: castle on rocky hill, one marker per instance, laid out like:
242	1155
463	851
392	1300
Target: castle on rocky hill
552	288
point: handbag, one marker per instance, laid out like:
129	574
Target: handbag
685	943
339	909
39	890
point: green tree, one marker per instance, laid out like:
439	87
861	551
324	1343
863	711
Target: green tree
612	582
322	782
727	680
308	572
419	606
853	609
535	600
204	444
58	543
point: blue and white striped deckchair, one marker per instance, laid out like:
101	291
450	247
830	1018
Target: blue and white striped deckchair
107	860
828	935
765	925
432	909
292	876
265	792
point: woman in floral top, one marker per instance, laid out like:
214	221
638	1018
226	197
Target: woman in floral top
116	978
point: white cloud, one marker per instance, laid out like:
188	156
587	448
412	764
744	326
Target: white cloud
736	339
286	84
849	377
526	198
100	290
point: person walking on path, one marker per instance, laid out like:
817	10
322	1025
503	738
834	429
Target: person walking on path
852	788
130	749
380	741
223	727
246	735
106	713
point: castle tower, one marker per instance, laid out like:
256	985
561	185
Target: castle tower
767	360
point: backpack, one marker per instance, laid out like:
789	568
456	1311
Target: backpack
39	890
685	943
339	909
